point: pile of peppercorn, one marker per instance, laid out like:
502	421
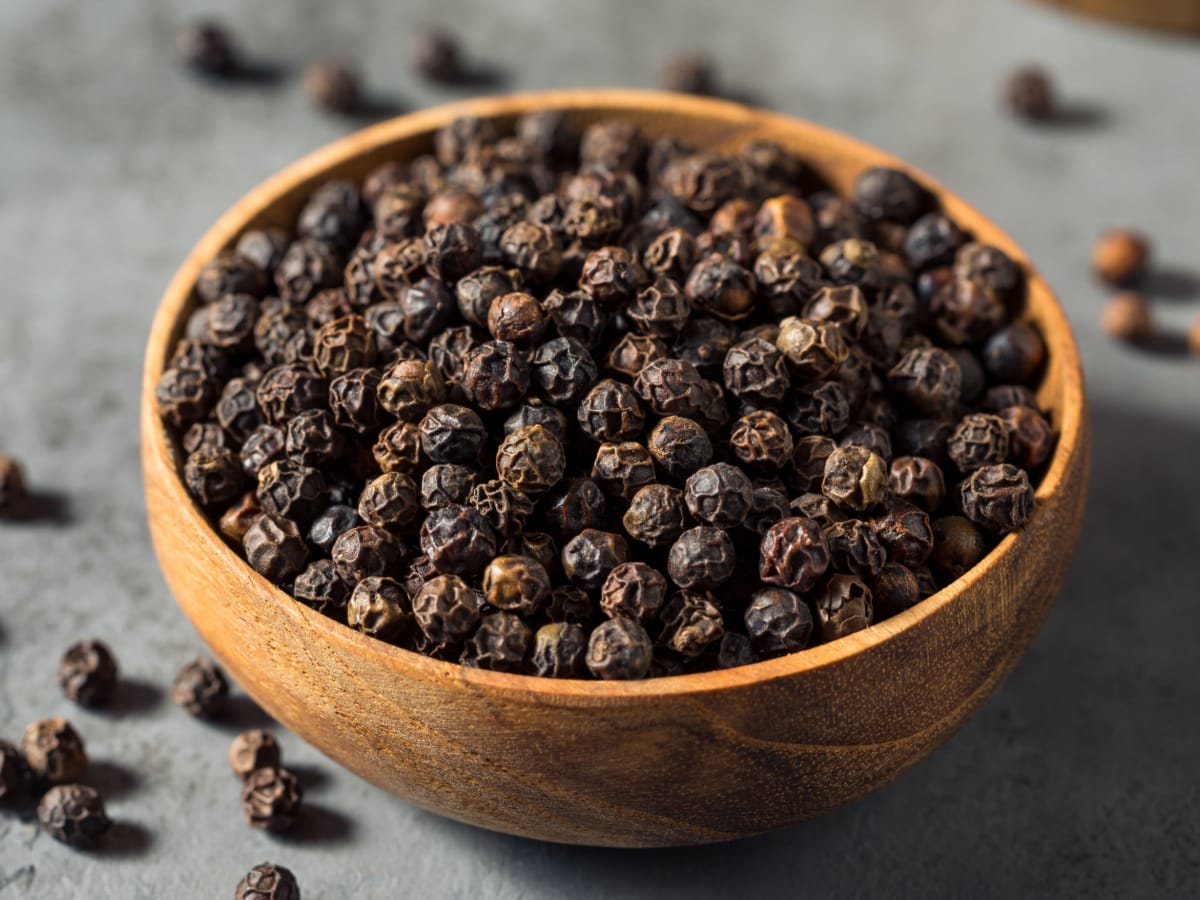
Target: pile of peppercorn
565	403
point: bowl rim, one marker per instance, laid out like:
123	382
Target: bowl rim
156	441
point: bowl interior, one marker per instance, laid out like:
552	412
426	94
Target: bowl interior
836	158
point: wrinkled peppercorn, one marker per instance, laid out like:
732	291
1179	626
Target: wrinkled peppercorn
622	469
254	749
905	532
363	551
268	882
275	549
854	548
997	498
691	624
54	752
271	798
918	480
1029	94
321	587
380	608
793	554
458	540
634	590
516	584
619	649
778	622
702	558
761	441
928	378
452	434
589	556
843	606
73	814
200	688
813	349
502	642
979	440
447	609
1030	437
855	478
87	673
559	651
657	515
334	86
719	495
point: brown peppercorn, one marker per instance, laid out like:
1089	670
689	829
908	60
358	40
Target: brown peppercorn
843	606
516	584
200	688
333	85
275	549
589	556
213	476
778	622
254	749
957	547
559	651
502	506
447	609
398	449
670	255
719	495
997	498
516	317
576	315
363	551
271	798
1127	318
854	548
1029	94
445	484
87	673
807	467
54	752
563	370
1120	258
905	532
1014	354
502	643
73	814
918	480
343	344
855	478
609	276
634	352
894	590
314	440
671	387
657	515
288	390
354	400
793	554
574	506
844	307
610	412
452	434
621	469
268	882
813	349
978	440
533	249
291	490
761	440
1030	437
966	312
458	540
307	268
184	395
619	649
756	371
380	608
662	309
680	446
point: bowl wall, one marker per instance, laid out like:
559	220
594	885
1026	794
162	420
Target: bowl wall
680	760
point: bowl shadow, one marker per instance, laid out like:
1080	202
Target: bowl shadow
1076	777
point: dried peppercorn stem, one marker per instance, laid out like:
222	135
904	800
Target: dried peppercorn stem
412	724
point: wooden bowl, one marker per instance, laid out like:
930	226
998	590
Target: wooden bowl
681	760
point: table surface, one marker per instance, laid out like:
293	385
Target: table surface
1078	778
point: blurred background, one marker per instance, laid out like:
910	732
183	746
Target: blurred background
1078	778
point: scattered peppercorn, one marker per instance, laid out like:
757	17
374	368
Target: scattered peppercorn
1029	94
207	48
54	752
271	798
200	688
87	673
688	73
73	814
268	882
334	86
254	749
436	56
1120	258
13	496
575	400
1127	318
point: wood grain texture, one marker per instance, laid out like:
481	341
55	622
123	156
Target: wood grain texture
1170	15
690	759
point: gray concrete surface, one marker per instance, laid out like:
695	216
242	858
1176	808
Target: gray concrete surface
1078	779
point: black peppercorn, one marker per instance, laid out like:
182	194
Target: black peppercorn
918	480
313	439
288	390
979	440
793	554
533	249
905	532
855	478
702	558
691	624
720	287
621	469
445	484
333	85
634	352
363	551
200	688
778	622
679	446
354	402
268	882
719	495
894	590
87	673
185	395
576	315
12	771
213	476
495	375
307	267
73	814
997	498
929	378
756	371
237	519
957	546
502	642
390	501
447	609
882	193
271	798
291	490
458	540
634	590
502	506
1014	354
761	441
1030	437
813	349
1029	94
452	434
275	549
322	588
563	369
589	556
610	412
619	649
398	449
854	548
